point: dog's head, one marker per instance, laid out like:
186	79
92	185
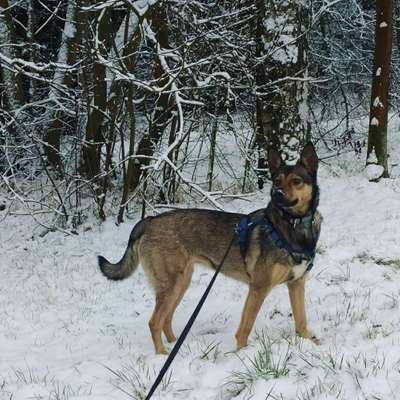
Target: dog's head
294	187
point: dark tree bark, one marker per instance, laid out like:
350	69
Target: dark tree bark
12	79
162	112
96	103
377	135
129	58
69	53
262	116
96	92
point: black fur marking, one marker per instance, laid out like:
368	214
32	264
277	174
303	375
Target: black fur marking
103	264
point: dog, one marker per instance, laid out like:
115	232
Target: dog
170	244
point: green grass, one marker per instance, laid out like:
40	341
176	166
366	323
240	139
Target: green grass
265	364
136	378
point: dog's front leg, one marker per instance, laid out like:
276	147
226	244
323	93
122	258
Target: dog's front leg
296	294
254	301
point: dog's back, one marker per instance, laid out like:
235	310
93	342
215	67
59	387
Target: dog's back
180	237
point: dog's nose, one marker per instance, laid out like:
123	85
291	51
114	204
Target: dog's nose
279	195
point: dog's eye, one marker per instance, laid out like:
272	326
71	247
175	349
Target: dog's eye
297	181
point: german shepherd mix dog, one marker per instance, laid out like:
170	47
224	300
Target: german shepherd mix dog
170	244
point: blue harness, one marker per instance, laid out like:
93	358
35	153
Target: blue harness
246	226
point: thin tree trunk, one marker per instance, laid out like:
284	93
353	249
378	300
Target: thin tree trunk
167	191
67	54
32	52
213	141
12	79
128	174
377	135
132	43
97	100
262	116
162	110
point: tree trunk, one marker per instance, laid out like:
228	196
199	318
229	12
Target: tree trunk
67	54
281	78
132	41
377	134
32	48
132	140
12	79
213	141
262	117
397	13
162	110
107	27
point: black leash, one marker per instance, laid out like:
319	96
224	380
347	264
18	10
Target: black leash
189	324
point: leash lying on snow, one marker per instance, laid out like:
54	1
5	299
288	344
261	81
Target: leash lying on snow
243	231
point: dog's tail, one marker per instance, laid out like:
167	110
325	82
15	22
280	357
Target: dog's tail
130	260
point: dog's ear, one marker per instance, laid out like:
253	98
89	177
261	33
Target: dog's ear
309	158
274	161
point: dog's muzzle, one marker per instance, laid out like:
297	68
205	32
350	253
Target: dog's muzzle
279	197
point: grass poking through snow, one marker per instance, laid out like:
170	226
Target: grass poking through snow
136	378
266	364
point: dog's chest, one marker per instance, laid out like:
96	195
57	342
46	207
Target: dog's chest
298	270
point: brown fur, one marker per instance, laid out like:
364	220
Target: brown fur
169	245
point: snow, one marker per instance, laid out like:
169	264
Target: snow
383	24
377	102
286	51
67	35
141	6
374	171
68	333
215	75
64	326
379	71
374	122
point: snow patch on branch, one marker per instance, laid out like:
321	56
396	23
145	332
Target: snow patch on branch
213	76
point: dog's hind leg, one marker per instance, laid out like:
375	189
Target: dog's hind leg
170	277
254	301
182	285
296	294
165	300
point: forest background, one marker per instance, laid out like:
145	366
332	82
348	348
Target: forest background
120	105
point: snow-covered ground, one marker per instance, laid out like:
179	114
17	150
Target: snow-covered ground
68	333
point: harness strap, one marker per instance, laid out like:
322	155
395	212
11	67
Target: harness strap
245	227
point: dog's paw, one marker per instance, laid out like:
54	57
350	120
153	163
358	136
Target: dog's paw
309	336
241	345
315	340
162	352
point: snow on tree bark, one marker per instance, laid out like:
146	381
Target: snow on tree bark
281	78
67	55
106	27
162	109
377	134
11	78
